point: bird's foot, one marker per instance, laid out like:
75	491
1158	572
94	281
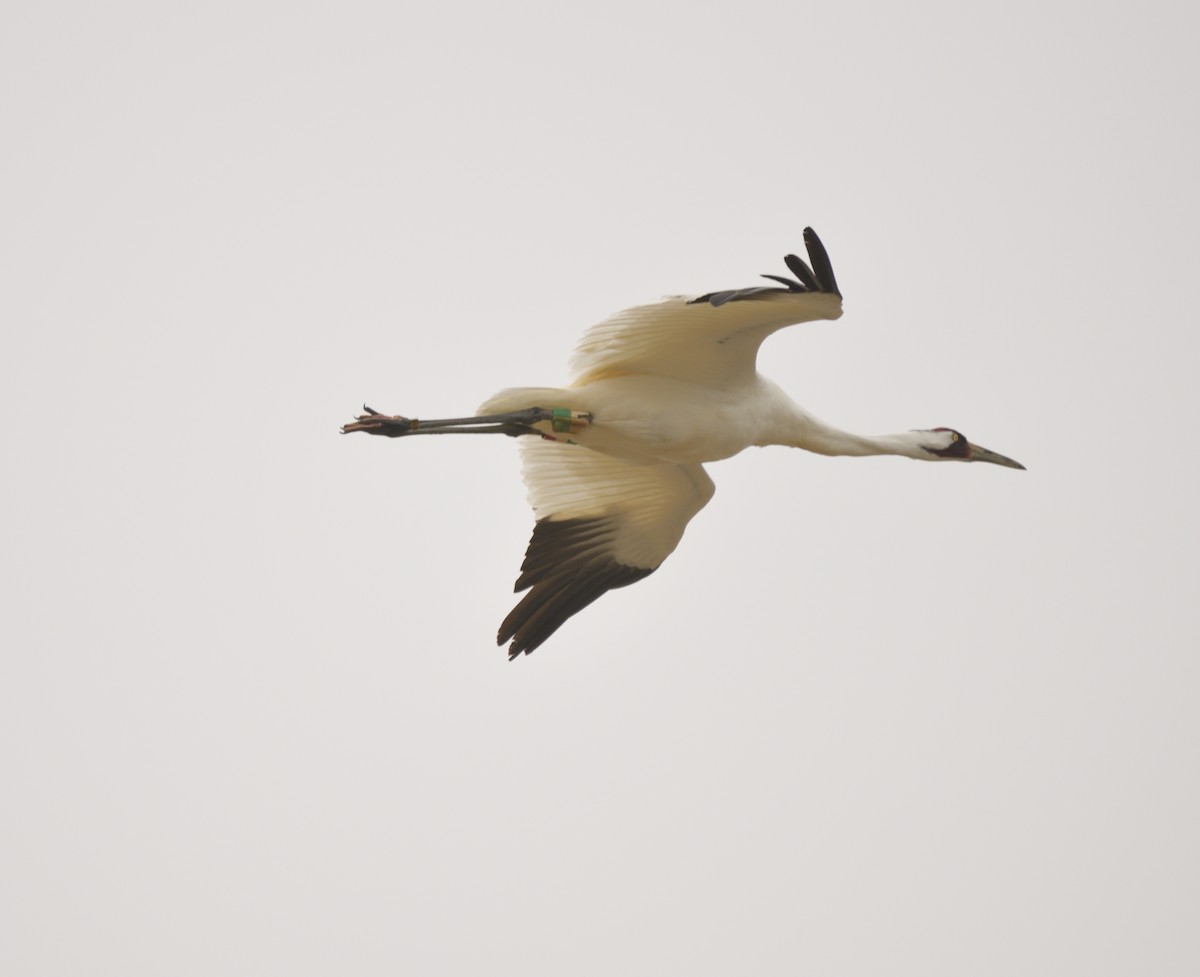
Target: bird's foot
389	425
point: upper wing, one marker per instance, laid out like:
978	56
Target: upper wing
712	339
601	523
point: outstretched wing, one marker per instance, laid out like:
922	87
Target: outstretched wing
601	523
712	339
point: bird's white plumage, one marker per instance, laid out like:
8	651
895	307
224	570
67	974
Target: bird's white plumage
714	346
614	470
648	505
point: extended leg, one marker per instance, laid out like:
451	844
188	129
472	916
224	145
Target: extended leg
512	424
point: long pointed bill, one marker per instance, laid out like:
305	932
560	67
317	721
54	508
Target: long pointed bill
982	454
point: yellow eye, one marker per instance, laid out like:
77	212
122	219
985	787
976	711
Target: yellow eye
953	437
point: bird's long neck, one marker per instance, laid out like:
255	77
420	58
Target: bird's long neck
799	429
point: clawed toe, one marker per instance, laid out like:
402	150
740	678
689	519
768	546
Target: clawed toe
373	422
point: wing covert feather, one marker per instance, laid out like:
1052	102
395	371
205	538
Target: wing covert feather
602	523
711	339
695	342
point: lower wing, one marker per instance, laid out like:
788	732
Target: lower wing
602	523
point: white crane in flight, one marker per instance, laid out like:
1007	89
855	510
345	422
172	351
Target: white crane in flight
615	464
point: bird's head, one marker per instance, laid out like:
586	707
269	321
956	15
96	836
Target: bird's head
944	444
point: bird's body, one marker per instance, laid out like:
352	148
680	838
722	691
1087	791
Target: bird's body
650	418
614	463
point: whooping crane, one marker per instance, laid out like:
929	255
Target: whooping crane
615	470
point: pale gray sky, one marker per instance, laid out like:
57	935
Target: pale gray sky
873	717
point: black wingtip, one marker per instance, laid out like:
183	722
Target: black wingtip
822	267
798	268
502	639
791	285
818	278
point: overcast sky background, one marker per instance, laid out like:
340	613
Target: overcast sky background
873	717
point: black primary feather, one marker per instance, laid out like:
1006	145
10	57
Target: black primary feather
818	278
567	566
802	271
820	262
